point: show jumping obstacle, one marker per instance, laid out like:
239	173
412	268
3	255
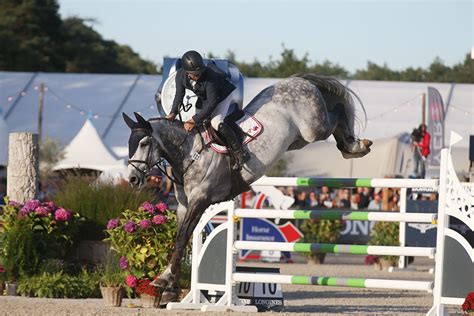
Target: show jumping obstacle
454	256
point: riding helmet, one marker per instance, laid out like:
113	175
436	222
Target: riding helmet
192	62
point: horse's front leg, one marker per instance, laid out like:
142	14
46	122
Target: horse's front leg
164	278
185	230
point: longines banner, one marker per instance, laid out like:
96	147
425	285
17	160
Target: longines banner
435	125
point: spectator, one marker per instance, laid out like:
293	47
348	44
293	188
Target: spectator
354	201
313	200
421	150
376	203
364	197
155	182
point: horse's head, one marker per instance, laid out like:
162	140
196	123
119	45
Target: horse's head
143	151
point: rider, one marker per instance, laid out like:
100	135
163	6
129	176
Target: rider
214	91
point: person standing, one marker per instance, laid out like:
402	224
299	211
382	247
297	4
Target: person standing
421	150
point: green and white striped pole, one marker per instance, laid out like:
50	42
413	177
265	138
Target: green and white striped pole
336	248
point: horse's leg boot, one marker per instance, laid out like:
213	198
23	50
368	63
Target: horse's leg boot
241	155
171	294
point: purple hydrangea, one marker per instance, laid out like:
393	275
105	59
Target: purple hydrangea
31	205
13	203
159	219
51	206
42	211
113	223
130	227
150	208
62	215
145	223
123	263
24	211
162	207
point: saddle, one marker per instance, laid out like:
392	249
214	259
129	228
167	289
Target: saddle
246	126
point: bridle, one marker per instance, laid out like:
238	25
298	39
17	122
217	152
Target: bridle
160	163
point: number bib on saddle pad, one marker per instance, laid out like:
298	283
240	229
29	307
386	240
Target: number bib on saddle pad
249	125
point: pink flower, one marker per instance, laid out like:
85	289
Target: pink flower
145	223
41	211
31	205
159	219
147	206
123	262
162	207
113	223
62	215
131	281
51	206
130	227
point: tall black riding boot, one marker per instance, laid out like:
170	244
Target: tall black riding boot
241	155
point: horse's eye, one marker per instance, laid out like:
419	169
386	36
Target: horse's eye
145	143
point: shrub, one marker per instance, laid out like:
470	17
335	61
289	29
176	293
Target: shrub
61	285
385	234
110	271
32	232
321	231
98	202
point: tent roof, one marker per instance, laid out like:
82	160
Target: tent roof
392	108
88	151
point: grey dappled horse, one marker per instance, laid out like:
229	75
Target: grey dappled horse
294	112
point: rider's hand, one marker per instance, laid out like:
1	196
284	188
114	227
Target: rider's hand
189	125
170	116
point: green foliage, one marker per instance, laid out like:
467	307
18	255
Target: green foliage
321	231
34	232
61	285
110	272
50	154
144	246
34	38
20	251
98	202
385	234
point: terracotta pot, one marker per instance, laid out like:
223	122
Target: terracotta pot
384	264
149	301
112	295
10	289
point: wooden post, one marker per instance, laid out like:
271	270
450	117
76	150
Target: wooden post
40	111
423	108
22	172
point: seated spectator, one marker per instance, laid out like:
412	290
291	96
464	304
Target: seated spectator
376	203
313	200
364	197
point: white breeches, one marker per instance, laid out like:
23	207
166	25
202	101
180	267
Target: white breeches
220	112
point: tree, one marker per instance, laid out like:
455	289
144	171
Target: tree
31	35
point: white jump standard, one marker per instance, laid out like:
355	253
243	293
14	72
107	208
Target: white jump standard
452	253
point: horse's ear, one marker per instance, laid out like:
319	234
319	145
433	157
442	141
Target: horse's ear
129	121
143	123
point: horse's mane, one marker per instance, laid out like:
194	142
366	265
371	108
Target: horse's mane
176	123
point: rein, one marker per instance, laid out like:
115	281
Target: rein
161	164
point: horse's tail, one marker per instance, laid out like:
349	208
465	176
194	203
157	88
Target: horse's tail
334	86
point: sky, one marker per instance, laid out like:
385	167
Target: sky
350	33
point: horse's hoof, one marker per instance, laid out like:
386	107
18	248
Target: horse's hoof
169	295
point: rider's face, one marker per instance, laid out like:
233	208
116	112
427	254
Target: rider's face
194	77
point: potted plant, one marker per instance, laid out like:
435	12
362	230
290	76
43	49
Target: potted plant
30	233
143	239
384	234
320	231
111	280
468	305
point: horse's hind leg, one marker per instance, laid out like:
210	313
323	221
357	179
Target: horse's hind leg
347	143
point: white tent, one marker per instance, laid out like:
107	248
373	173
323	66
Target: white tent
3	141
87	151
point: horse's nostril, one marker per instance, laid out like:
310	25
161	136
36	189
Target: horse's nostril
133	180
